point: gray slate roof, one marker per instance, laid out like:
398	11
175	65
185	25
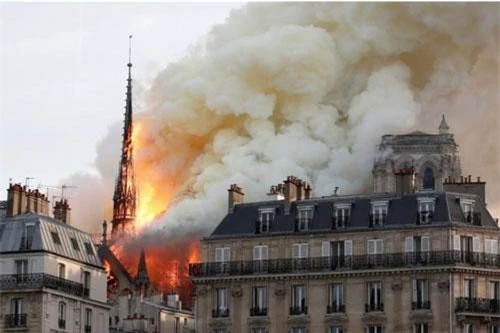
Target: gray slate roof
402	211
12	233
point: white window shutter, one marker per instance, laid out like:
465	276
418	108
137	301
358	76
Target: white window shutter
409	244
414	290
379	246
456	242
325	249
425	243
476	244
304	253
218	254
264	255
295	250
256	252
495	246
348	247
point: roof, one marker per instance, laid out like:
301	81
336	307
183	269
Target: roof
72	243
106	254
402	211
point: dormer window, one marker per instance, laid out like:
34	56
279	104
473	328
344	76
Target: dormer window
426	208
266	216
379	213
341	215
467	206
304	218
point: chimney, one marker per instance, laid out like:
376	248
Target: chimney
62	211
290	192
307	191
21	201
172	300
405	180
466	185
276	192
235	196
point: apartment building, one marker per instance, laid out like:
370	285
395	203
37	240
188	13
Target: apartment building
421	258
51	279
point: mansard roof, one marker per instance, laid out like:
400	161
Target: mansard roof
402	212
13	238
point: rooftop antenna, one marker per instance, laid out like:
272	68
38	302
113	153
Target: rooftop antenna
63	187
47	187
27	181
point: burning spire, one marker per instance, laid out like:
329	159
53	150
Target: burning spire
124	199
142	277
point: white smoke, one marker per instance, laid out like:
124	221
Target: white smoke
308	89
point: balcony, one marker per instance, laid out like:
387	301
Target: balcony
220	313
335	308
15	320
372	307
298	310
256	311
478	305
62	323
40	280
421	305
347	263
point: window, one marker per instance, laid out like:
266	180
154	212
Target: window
17	316
374	329
336	298
259	330
27	238
426	208
222	257
428	179
375	249
469	328
260	256
62	315
89	248
298	330
469	288
491	246
417	249
467	206
341	215
259	301
298	300
374	297
339	253
421	328
265	219
21	267
336	329
379	213
74	243
494	290
304	219
61	271
88	321
177	324
55	238
421	294
300	253
220	330
494	329
221	309
86	283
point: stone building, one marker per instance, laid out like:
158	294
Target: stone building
420	257
51	278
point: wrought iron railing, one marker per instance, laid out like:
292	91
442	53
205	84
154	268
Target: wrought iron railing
370	307
421	305
256	311
354	262
425	217
87	329
15	320
335	308
298	310
41	280
62	323
478	305
220	313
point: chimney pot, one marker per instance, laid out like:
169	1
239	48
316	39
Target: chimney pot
478	179
235	196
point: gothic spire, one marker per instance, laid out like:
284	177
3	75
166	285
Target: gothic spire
124	199
142	277
443	126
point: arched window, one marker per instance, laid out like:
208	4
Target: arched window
428	180
62	315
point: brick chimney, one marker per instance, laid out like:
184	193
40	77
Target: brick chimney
290	192
21	201
466	185
62	211
235	196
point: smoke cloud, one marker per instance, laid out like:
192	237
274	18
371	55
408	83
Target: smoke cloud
308	89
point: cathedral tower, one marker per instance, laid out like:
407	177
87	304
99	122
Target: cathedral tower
124	199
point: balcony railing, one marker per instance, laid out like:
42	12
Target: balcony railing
256	311
425	217
15	320
40	280
62	323
298	310
371	307
220	313
421	305
478	305
354	262
335	308
377	220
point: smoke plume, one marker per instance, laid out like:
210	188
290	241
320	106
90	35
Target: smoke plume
308	89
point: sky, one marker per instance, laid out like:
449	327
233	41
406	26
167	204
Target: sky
63	76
